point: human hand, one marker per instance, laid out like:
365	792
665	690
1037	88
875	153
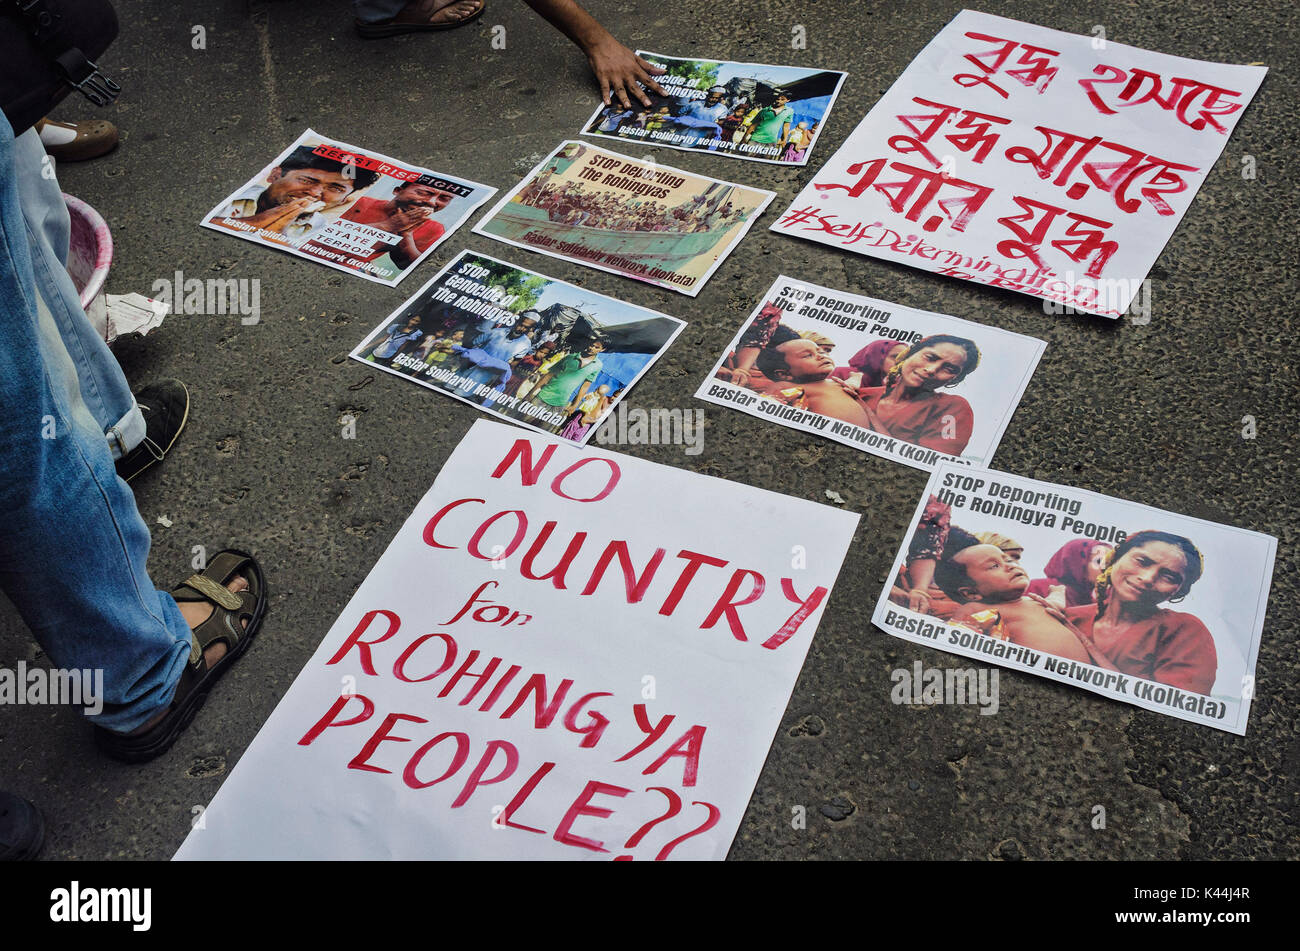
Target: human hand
1053	608
620	73
1056	597
740	377
278	217
848	387
918	601
406	219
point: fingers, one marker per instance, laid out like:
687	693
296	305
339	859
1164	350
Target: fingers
621	92
648	72
650	67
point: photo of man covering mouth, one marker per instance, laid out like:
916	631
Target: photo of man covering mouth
407	214
297	194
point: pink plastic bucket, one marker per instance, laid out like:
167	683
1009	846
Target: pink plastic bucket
90	254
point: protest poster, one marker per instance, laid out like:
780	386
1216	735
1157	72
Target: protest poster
528	348
1144	606
349	209
532	669
1030	159
904	384
749	111
628	216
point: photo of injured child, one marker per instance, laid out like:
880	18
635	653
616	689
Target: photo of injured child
1128	610
908	385
954	574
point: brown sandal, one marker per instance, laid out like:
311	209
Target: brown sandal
416	18
229	609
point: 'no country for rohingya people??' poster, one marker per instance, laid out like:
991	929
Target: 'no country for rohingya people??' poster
523	346
1030	159
349	209
743	110
628	216
533	667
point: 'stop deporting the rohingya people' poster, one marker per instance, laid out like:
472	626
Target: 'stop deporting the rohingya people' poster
1030	159
353	210
745	110
533	669
1148	607
908	385
627	216
523	346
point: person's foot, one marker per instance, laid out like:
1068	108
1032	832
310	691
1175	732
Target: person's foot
22	830
424	15
165	406
77	141
230	589
195	613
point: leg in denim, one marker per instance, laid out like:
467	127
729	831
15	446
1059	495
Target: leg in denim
103	388
73	547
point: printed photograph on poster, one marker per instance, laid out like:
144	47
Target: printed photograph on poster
745	110
528	348
1141	605
1029	159
908	385
627	216
349	209
531	670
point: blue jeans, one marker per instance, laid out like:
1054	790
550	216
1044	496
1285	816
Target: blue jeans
73	546
372	11
104	389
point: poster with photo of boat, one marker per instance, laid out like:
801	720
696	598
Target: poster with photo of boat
628	216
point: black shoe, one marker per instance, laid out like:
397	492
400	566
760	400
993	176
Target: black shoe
165	406
22	830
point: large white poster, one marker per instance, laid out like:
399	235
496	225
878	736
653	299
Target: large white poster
563	654
1026	158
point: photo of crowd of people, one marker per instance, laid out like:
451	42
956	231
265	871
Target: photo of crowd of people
875	368
356	211
570	204
528	348
627	216
1124	592
745	110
